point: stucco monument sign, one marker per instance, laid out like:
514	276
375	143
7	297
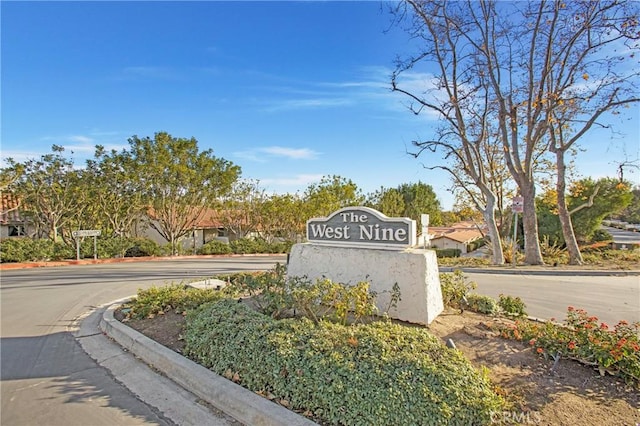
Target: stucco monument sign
362	227
357	244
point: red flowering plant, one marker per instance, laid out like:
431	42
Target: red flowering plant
583	338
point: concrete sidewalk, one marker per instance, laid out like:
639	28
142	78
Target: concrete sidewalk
182	390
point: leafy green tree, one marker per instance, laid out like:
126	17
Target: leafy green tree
49	191
283	216
589	202
631	213
420	198
110	175
388	201
407	200
178	181
239	210
9	175
330	194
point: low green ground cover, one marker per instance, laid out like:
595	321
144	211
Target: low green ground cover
366	374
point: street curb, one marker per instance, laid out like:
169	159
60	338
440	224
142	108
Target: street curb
5	266
549	271
234	400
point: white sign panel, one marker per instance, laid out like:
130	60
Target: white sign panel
86	233
517	205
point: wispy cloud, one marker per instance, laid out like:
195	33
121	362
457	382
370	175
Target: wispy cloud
309	103
86	142
293	153
301	180
81	139
370	88
262	155
148	73
77	146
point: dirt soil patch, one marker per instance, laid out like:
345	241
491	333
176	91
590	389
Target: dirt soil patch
567	394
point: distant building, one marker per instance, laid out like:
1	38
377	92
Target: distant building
458	236
12	222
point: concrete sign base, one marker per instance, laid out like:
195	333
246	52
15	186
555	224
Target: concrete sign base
415	271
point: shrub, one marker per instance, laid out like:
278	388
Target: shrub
374	374
612	258
249	246
507	252
464	261
455	288
179	297
450	252
14	249
215	247
143	247
601	235
512	306
280	246
474	245
483	304
63	251
277	296
552	252
583	338
33	250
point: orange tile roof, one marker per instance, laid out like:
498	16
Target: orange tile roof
9	208
461	236
206	220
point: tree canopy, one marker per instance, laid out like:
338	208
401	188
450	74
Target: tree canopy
178	181
589	202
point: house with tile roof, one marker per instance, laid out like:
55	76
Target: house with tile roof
459	236
12	221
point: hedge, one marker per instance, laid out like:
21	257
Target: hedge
450	252
374	374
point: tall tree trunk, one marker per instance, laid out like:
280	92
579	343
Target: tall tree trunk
575	257
489	215
532	254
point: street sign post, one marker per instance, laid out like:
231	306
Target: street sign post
517	205
424	221
81	233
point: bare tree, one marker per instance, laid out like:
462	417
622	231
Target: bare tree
461	97
590	72
516	65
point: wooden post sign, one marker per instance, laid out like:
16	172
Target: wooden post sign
362	227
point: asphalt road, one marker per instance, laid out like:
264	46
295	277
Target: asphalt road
622	236
610	298
47	379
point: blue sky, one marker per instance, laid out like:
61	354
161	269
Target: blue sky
290	91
